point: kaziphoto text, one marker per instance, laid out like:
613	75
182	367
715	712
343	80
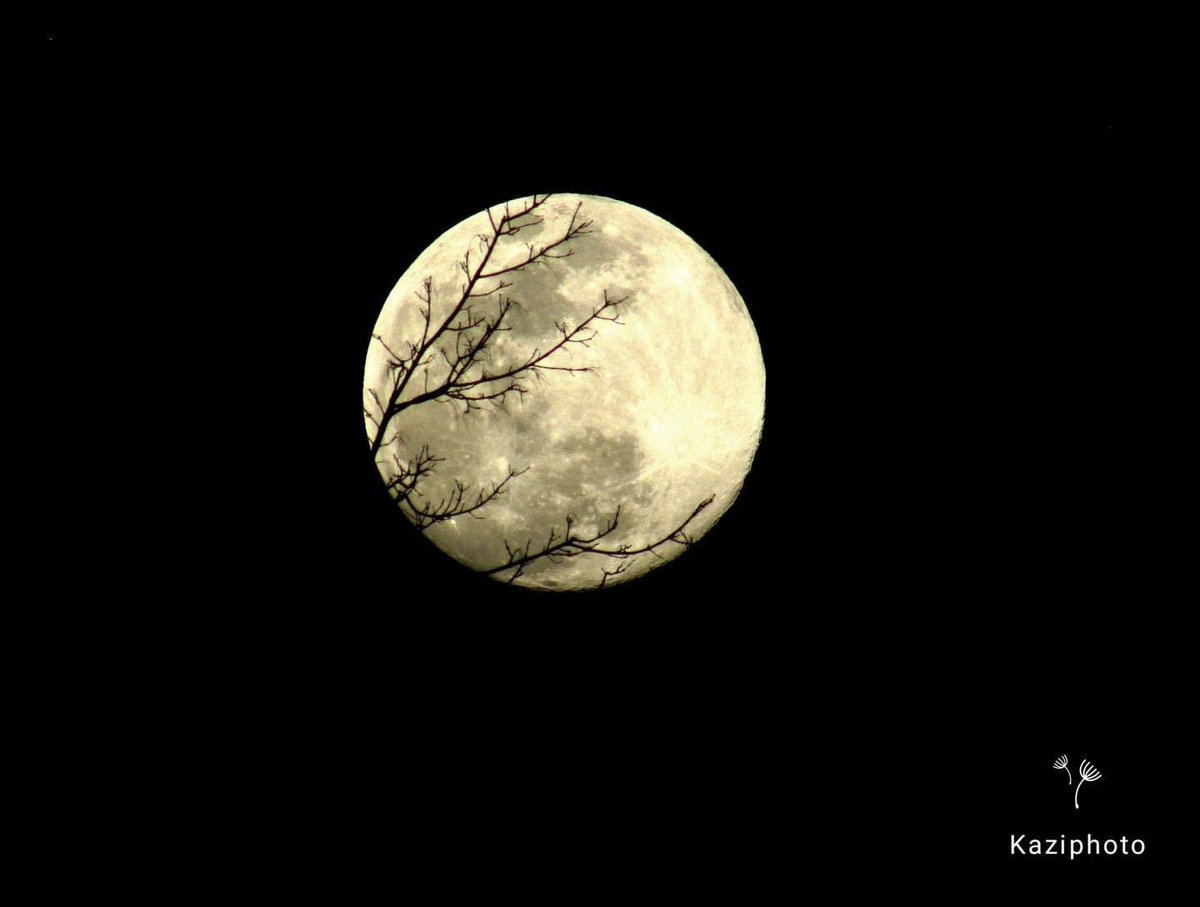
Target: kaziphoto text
1020	846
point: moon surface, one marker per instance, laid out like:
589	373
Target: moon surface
664	413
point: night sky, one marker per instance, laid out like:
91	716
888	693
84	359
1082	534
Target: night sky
955	557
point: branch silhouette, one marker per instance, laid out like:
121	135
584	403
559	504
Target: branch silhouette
473	331
460	341
450	362
571	544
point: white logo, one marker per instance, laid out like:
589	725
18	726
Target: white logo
1062	846
1087	772
1061	762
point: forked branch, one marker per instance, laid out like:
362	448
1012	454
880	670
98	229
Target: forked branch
464	385
571	544
458	503
455	356
469	348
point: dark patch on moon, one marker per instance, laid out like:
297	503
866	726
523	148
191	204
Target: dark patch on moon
535	291
586	473
542	304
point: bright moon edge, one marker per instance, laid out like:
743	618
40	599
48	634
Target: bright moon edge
666	412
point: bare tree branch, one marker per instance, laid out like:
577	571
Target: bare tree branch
456	384
620	568
456	504
462	344
403	482
574	229
568	545
501	285
403	367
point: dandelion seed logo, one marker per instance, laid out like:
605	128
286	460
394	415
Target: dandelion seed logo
1021	846
1061	762
1087	772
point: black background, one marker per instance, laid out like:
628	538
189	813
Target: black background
955	557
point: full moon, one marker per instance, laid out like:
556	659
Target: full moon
564	392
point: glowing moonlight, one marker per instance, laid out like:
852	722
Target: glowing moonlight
564	392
